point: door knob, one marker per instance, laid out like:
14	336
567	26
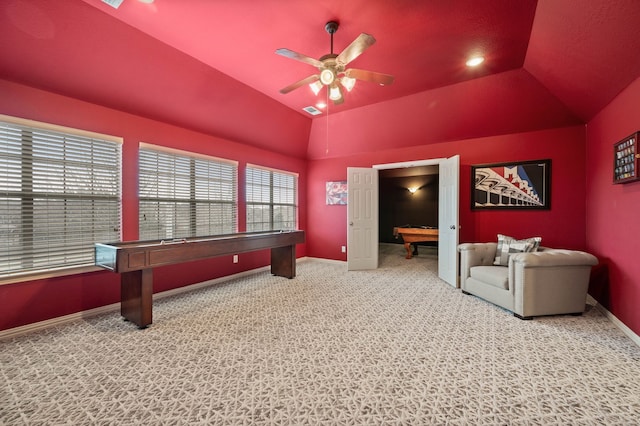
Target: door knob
350	223
452	227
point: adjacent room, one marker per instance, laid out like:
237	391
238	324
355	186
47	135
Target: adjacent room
270	212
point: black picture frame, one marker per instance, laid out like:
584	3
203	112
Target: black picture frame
517	185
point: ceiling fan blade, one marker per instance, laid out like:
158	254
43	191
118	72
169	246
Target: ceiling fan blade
339	101
299	57
300	83
373	77
355	49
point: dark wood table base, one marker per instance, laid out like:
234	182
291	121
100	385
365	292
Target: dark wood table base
135	262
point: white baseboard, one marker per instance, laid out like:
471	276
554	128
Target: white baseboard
41	325
207	283
114	307
333	261
626	330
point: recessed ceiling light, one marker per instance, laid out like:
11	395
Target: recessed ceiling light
475	61
321	105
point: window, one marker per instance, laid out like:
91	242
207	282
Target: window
271	199
59	194
185	194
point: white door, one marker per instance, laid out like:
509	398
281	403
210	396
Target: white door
362	218
449	189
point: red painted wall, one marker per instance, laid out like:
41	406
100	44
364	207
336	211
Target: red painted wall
32	301
613	211
561	226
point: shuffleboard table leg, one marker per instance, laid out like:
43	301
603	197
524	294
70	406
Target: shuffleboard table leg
136	297
283	261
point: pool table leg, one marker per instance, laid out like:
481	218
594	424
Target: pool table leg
407	246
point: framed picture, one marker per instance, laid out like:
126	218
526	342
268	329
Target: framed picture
626	160
519	185
337	193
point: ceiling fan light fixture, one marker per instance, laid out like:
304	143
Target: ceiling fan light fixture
316	86
474	61
327	76
331	67
335	93
348	82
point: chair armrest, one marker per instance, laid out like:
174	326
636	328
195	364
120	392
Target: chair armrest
553	257
479	253
554	281
475	254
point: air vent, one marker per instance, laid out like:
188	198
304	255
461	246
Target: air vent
113	3
311	110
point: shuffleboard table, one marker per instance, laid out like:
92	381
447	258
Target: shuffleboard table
135	260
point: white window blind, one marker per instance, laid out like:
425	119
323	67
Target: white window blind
59	194
271	199
185	195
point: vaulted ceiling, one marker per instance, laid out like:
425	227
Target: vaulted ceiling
211	65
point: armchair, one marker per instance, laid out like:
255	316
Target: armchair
545	282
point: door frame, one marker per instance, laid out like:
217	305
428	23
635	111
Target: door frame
407	164
415	163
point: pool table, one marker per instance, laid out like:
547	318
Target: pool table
415	235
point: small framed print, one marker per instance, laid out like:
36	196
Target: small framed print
337	193
521	185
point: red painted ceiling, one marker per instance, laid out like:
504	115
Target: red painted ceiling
211	66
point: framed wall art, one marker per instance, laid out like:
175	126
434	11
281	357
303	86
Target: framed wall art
626	160
337	193
521	185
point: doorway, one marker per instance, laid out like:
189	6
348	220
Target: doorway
363	204
408	198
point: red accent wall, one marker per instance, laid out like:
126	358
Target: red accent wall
613	211
561	226
32	301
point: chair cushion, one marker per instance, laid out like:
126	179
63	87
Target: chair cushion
508	245
497	276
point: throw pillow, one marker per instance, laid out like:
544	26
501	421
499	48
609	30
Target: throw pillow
508	245
501	241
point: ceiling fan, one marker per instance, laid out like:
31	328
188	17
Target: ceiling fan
331	67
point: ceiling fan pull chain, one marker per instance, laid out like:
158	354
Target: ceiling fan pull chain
326	150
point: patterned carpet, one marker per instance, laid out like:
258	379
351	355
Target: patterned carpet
394	346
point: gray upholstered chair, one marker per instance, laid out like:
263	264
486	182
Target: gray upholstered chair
545	282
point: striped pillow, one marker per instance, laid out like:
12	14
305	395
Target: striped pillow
508	245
